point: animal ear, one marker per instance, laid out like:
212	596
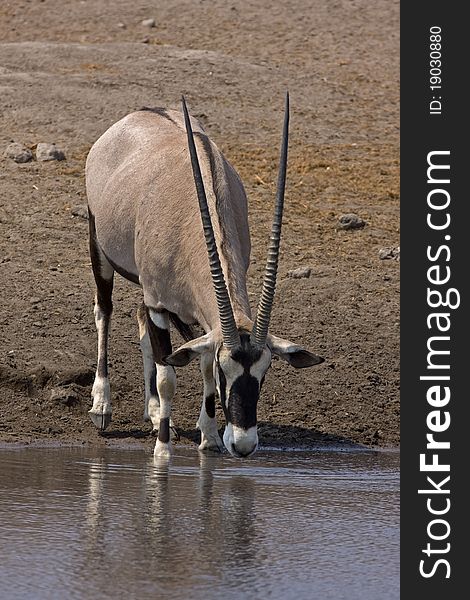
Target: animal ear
293	354
189	351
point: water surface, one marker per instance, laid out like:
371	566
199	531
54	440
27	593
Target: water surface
105	523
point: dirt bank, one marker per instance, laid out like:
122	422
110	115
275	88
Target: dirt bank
67	74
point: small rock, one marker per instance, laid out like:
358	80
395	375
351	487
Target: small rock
300	272
81	211
390	253
149	23
18	152
81	376
351	221
146	40
65	395
34	300
48	152
121	25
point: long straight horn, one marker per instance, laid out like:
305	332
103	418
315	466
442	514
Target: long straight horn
227	320
259	333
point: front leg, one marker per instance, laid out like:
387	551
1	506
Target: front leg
152	401
207	422
159	332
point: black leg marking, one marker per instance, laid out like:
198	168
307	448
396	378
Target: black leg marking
102	366
160	340
210	405
153	382
223	393
104	292
164	430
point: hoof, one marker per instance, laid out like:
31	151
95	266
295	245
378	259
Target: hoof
100	420
162	450
211	444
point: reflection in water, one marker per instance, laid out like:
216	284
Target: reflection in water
94	511
111	523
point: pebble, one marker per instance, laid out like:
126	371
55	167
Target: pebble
48	152
300	272
65	395
351	221
390	253
81	210
18	152
149	22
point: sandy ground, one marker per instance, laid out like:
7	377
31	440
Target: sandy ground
68	71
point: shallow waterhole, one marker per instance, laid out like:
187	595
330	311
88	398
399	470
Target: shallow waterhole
114	523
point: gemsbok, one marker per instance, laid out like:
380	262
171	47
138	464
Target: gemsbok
145	211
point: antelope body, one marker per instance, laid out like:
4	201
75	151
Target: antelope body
146	196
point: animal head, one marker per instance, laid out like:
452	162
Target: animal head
239	375
242	356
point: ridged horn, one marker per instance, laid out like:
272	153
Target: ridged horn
230	333
259	333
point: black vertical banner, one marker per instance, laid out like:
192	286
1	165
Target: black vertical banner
435	326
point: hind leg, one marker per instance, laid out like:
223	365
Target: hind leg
103	272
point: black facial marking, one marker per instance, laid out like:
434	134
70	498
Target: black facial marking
246	354
243	400
164	430
159	111
210	405
159	339
244	393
